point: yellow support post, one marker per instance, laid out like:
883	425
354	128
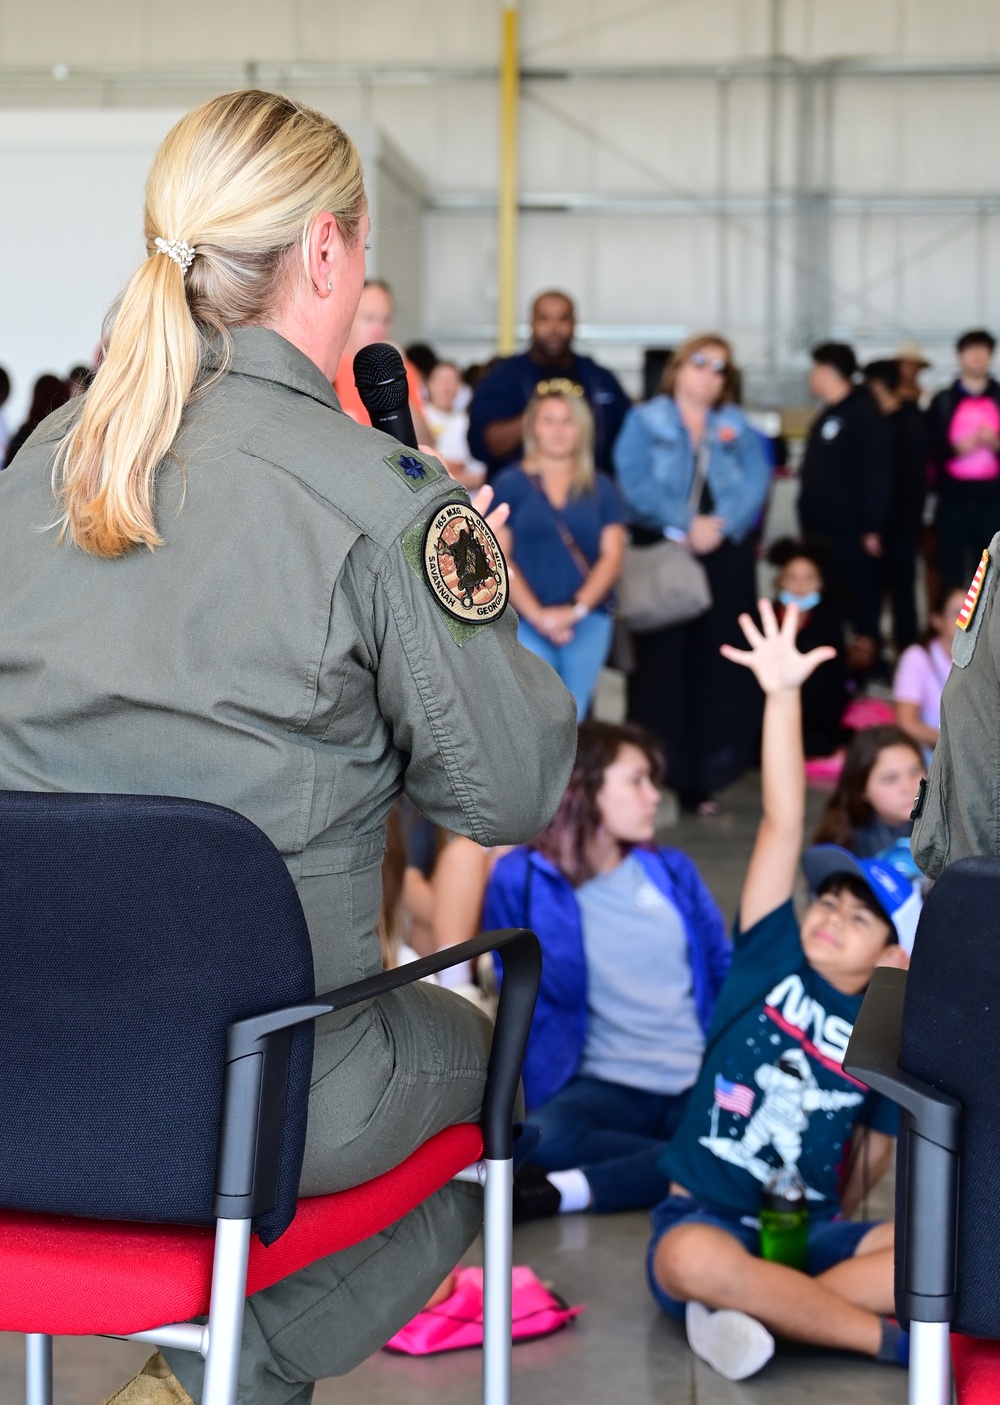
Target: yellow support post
507	196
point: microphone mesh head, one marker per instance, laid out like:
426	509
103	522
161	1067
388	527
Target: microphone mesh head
380	377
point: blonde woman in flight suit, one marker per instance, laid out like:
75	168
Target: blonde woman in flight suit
237	604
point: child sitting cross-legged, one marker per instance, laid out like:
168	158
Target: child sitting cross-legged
773	1114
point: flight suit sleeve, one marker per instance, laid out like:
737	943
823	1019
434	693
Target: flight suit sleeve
489	730
957	814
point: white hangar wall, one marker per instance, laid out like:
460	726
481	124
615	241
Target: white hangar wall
781	169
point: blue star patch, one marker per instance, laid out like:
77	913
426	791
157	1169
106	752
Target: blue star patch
414	470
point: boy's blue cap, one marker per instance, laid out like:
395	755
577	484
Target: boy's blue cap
898	898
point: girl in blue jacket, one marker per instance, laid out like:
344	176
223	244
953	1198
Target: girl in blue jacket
635	952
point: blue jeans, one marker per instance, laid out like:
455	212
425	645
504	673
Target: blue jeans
614	1134
580	661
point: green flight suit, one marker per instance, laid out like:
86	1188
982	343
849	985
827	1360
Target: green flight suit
283	655
957	813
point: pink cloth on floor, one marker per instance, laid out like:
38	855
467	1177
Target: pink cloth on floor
458	1321
869	712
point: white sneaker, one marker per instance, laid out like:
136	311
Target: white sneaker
733	1343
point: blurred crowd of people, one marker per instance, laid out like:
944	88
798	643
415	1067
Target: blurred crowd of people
898	494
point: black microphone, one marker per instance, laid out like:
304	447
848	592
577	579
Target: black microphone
380	377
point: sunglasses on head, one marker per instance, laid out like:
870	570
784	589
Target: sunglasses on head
558	385
718	364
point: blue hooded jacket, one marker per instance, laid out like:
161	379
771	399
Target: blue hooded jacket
526	890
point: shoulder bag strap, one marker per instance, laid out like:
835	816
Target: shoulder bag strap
700	474
577	554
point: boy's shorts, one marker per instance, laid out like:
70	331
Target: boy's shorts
830	1241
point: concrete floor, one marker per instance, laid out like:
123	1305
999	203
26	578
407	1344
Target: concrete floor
622	1349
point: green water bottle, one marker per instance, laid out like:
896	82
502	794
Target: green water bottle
784	1219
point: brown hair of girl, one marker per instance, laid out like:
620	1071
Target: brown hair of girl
847	809
568	840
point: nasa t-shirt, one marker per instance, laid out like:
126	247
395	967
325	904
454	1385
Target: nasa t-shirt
772	1089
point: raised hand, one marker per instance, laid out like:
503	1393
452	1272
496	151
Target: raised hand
776	662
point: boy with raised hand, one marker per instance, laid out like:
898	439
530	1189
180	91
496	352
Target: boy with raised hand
772	1094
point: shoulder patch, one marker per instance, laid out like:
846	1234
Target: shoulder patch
970	617
413	550
464	566
414	469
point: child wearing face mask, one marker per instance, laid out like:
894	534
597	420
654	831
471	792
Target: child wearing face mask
801	581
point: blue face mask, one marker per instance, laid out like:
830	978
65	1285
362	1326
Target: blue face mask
804	602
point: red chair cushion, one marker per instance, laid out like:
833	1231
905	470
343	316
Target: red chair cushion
74	1277
977	1370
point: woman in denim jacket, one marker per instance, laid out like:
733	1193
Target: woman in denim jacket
680	689
635	953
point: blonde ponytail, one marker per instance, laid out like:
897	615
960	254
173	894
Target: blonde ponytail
240	179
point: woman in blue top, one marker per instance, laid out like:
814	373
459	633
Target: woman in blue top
635	953
707	722
566	540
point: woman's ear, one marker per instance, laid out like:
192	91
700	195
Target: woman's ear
325	250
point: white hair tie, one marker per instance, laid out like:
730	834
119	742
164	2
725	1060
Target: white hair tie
177	250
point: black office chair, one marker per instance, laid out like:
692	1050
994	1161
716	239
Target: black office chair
155	1054
929	1039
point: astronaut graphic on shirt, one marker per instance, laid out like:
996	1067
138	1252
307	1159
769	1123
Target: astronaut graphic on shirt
791	1095
772	1090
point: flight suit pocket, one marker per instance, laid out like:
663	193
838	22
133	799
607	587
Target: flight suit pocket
931	839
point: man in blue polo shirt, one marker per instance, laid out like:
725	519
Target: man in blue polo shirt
500	398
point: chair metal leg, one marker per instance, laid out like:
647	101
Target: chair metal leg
225	1317
37	1369
930	1363
498	1257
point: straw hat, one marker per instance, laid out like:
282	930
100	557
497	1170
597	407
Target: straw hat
911	351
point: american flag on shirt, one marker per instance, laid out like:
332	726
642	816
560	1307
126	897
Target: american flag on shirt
733	1097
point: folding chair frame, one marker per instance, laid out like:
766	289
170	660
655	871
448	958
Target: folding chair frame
249	1150
929	1149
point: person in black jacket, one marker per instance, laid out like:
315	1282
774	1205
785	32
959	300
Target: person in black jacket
910	460
845	489
965	440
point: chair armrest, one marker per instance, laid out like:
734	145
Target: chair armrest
873	1056
928	1159
257	1065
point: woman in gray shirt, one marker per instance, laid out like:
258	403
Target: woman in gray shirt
635	954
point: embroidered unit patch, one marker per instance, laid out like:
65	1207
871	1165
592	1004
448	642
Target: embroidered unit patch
968	609
464	566
415	470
